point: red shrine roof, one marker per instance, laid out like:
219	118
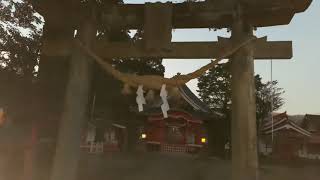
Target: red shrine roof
282	122
174	114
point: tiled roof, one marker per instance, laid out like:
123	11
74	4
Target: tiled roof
192	99
282	122
311	122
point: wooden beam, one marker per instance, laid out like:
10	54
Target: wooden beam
180	50
193	50
264	49
217	15
185	15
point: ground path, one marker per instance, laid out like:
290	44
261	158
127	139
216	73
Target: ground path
182	167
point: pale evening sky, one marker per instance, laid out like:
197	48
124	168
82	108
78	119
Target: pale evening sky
299	77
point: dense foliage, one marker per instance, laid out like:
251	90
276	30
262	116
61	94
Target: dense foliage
215	90
19	37
20	34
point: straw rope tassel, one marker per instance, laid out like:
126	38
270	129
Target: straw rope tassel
165	106
140	98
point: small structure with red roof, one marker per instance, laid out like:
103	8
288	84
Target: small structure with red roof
180	132
283	137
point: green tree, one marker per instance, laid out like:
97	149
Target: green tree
19	55
268	96
215	90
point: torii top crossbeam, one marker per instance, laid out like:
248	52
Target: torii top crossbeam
67	14
212	14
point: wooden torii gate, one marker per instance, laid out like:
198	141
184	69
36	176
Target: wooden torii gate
241	16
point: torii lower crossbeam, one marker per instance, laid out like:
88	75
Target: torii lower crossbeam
179	50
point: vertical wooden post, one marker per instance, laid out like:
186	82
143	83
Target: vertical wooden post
67	155
29	153
53	71
244	137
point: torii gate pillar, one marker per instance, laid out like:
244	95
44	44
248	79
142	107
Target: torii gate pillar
243	125
67	155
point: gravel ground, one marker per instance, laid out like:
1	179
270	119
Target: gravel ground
182	167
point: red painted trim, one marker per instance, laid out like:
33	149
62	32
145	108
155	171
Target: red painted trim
175	115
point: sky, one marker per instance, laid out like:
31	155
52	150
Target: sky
299	77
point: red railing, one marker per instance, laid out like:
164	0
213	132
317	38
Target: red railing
178	148
173	148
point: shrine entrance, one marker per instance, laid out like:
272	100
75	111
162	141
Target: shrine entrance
180	132
157	21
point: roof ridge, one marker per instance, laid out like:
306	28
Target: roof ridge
312	115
